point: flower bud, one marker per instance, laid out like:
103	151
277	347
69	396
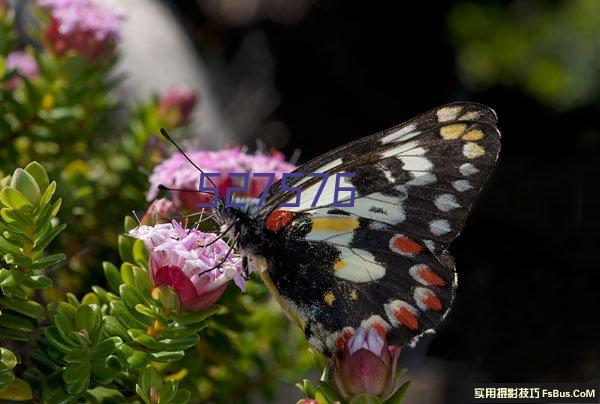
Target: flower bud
158	211
367	365
176	105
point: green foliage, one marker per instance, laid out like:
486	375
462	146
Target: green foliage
27	214
550	49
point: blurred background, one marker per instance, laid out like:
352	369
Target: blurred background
311	75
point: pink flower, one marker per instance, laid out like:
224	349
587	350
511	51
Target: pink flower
180	259
177	172
176	105
83	26
366	366
24	64
307	401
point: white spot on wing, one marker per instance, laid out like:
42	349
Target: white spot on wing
411	147
462	185
360	266
468	169
448	113
446	202
439	227
404	133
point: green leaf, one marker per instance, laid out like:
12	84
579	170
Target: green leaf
178	344
365	399
24	182
26	307
38	281
143	339
181	397
125	244
53	391
167	297
77	377
112	326
166	356
47	261
106	348
48	193
16	322
8	248
397	397
112	276
46	238
139	253
194	317
88	317
80	338
53	336
106	395
329	391
104	371
132	357
39	174
150	378
82	355
13	198
18	390
13	334
167	392
7	358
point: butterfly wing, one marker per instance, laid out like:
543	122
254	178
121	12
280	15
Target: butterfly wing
382	260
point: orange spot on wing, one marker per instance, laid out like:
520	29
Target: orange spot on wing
406	245
341	341
380	329
432	302
431	277
404	316
278	219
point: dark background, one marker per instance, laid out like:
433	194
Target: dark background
527	304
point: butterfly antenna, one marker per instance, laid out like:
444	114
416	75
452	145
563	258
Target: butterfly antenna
166	135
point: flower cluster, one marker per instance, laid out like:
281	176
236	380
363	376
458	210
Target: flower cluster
193	263
90	29
177	172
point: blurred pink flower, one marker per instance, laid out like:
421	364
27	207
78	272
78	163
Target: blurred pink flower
367	365
307	401
176	105
177	172
24	64
83	26
179	259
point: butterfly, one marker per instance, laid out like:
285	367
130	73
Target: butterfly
381	261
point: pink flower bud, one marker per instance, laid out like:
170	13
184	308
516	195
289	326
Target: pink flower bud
367	365
180	258
158	211
307	401
176	105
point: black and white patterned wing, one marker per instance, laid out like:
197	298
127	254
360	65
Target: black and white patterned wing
381	261
422	176
336	273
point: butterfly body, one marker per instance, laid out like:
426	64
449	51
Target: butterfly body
381	261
